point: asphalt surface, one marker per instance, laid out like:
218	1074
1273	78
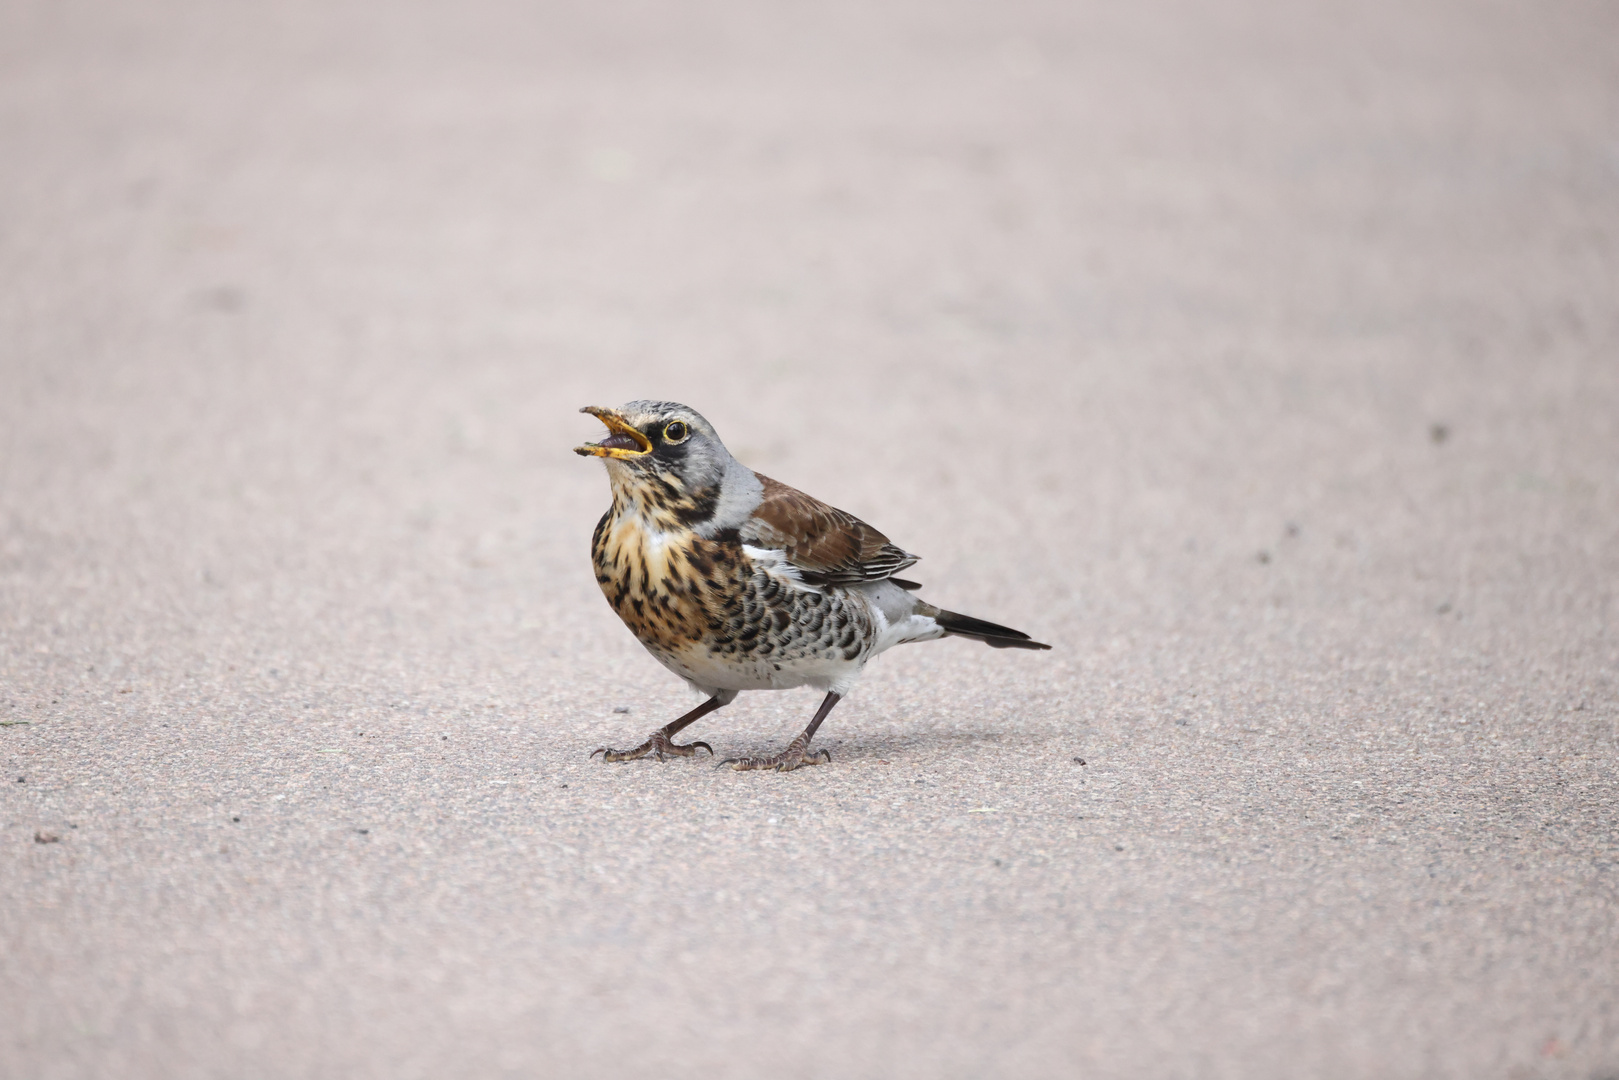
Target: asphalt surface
1263	358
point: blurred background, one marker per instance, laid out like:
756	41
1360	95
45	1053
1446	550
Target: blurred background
1260	356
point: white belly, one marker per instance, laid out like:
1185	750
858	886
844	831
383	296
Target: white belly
708	673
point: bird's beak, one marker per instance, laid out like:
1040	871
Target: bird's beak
624	442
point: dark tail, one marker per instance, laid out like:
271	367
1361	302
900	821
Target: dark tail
998	637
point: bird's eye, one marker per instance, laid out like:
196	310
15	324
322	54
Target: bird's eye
675	432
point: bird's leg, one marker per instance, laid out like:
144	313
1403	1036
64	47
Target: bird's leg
659	744
796	753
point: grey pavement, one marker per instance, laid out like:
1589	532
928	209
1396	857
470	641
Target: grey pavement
1261	357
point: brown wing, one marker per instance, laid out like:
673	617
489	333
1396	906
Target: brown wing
829	546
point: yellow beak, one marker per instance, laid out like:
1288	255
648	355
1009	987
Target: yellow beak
624	442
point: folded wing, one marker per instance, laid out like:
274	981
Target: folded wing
828	546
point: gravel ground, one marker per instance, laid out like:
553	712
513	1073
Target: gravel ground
1261	357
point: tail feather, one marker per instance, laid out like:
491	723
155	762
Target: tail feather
998	637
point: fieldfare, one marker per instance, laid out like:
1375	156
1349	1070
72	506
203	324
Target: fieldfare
735	581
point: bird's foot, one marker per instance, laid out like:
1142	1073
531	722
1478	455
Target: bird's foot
658	745
786	761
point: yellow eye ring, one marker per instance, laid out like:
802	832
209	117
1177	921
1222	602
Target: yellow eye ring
676	432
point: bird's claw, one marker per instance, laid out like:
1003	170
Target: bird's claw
658	745
621	755
786	761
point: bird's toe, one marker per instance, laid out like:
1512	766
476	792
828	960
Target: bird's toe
674	749
786	761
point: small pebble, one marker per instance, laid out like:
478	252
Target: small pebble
621	708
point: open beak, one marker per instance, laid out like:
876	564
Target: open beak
623	442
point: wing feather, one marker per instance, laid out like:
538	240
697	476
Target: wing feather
829	546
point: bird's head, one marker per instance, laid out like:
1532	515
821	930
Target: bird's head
659	439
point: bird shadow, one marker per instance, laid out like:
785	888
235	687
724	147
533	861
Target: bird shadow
930	745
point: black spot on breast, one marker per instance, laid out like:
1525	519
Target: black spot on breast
698	507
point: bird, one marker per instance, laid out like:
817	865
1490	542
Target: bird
735	581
